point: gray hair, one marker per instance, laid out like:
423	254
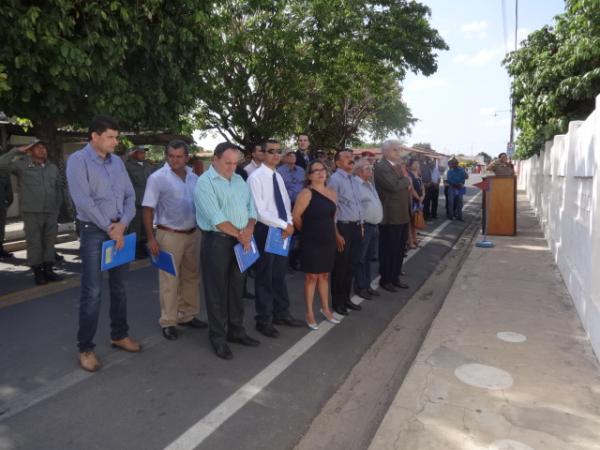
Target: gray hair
389	144
360	165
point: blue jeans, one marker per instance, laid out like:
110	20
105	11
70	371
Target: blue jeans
362	277
91	239
455	203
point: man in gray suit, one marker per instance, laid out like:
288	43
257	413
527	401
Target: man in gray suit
392	184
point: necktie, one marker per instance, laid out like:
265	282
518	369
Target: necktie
279	199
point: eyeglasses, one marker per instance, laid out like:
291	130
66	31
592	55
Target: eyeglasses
318	171
273	151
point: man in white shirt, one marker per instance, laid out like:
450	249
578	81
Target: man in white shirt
258	156
169	202
273	208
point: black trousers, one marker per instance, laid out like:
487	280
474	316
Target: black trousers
223	287
430	204
345	264
272	299
392	243
3	212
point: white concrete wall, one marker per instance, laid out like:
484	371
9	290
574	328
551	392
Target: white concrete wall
563	186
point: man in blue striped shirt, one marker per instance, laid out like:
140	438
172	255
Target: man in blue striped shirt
226	215
105	201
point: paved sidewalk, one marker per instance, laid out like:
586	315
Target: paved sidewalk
506	364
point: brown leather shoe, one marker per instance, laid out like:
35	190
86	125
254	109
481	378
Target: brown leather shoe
127	344
88	361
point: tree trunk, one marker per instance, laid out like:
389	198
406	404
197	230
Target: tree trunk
46	130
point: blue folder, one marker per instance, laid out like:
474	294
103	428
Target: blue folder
276	244
164	261
246	258
111	257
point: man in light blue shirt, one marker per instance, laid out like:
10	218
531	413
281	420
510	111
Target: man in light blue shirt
350	231
372	211
105	201
293	175
226	215
169	202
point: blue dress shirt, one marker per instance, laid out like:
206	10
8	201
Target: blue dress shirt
293	179
348	196
100	188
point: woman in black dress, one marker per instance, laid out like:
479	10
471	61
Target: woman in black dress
314	216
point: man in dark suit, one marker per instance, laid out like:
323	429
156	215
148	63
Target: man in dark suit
302	154
392	184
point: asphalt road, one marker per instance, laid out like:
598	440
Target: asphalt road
179	394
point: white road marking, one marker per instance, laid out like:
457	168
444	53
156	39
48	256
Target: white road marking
484	376
511	336
509	444
202	429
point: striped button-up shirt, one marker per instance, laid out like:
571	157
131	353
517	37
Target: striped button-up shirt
100	188
219	200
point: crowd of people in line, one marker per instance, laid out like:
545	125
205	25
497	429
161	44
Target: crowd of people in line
340	221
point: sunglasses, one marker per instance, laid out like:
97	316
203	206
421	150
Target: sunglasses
318	170
274	152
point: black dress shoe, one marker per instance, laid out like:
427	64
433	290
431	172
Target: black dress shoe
364	294
5	254
267	329
195	323
400	284
244	340
373	292
289	322
248	295
223	351
388	287
169	333
353	306
58	257
341	311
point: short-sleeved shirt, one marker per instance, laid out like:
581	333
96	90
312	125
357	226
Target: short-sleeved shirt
346	187
172	198
369	200
219	200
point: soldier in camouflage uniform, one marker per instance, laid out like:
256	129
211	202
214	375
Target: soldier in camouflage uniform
6	199
139	170
39	200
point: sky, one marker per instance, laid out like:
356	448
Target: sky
464	107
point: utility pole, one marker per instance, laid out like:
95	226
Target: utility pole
511	141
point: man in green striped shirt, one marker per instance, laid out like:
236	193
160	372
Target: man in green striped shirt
225	212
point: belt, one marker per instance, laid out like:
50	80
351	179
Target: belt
349	222
218	233
117	220
162	227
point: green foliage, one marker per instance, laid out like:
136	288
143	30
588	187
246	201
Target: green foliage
486	158
422	145
327	67
66	60
556	75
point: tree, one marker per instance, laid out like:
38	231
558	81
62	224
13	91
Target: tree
423	145
556	75
327	67
66	61
253	75
486	158
359	52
